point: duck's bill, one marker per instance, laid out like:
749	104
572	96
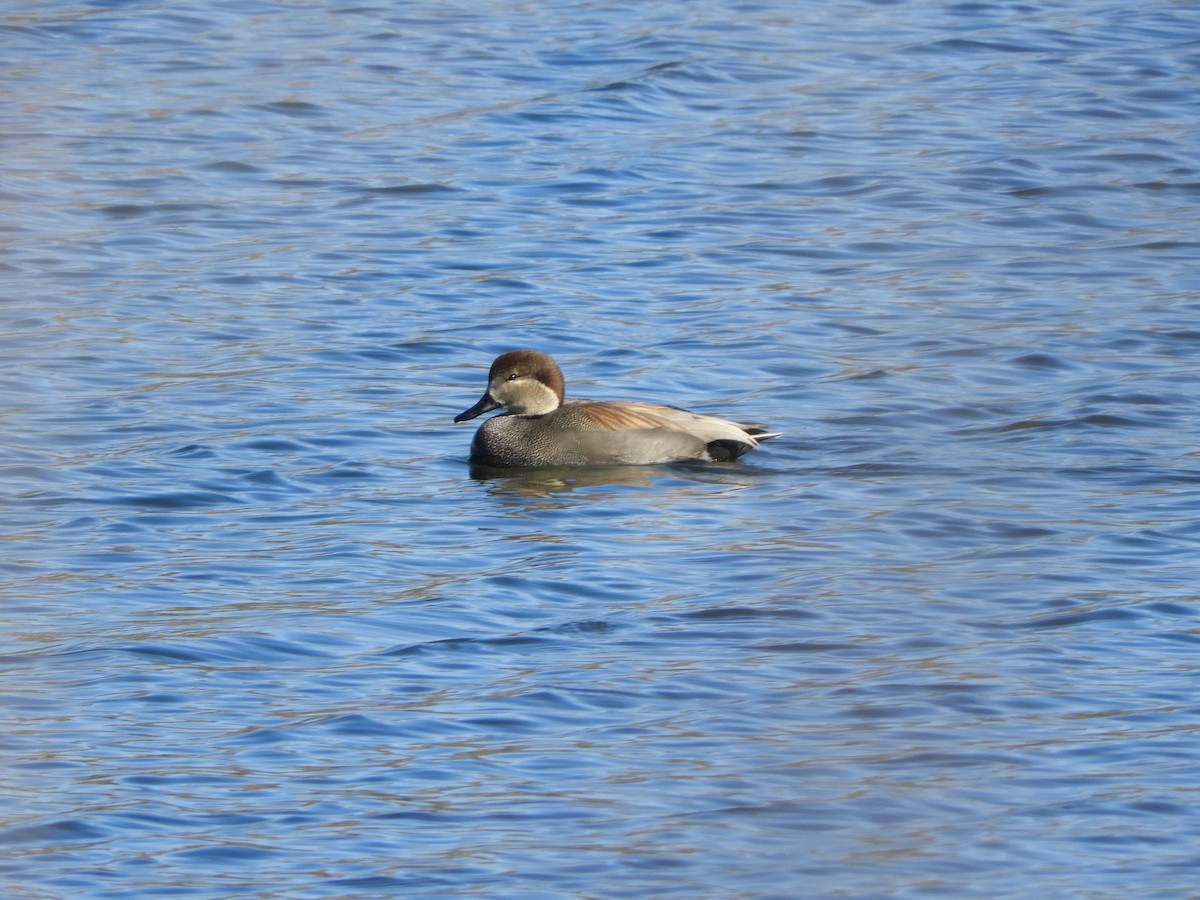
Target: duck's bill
485	404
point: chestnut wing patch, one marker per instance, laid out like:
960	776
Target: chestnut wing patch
631	416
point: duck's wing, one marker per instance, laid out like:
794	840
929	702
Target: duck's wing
636	416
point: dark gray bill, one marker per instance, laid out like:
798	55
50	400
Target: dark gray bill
485	404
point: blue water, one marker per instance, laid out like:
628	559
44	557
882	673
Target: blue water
266	634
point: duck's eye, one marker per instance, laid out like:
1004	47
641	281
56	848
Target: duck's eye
511	377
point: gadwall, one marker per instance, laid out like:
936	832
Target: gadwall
541	429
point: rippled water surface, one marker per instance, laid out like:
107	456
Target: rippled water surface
266	634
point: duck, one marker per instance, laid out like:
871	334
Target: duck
539	427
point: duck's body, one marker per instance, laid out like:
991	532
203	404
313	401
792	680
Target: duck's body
540	429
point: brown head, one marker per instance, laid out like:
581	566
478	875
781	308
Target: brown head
524	382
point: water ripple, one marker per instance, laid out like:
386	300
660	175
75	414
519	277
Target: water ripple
266	627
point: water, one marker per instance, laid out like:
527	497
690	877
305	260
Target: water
267	635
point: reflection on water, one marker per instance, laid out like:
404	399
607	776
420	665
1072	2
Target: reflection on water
267	633
550	480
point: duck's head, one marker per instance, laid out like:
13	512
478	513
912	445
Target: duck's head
524	382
